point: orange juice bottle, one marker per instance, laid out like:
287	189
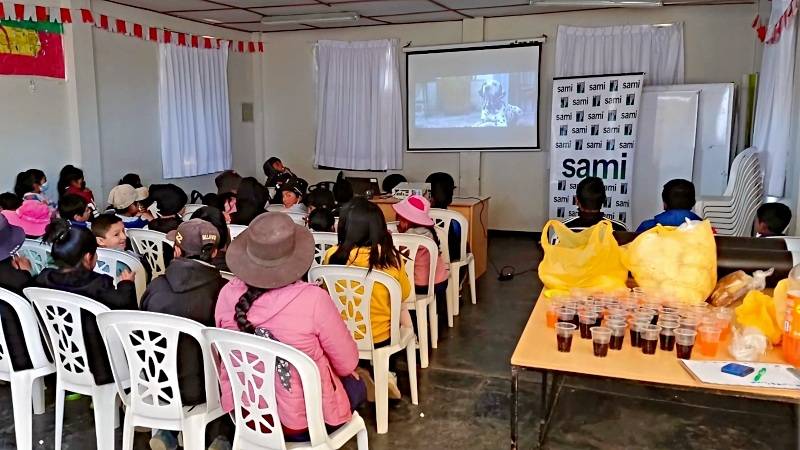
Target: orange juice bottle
791	320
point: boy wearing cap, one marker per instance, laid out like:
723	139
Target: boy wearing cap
188	289
126	201
169	201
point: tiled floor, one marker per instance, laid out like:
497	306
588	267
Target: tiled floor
464	395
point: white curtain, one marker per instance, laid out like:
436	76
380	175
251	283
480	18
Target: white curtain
656	50
194	110
773	121
359	107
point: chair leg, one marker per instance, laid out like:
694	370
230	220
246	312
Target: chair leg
450	303
38	396
380	371
362	439
471	269
21	399
411	362
456	279
422	333
105	401
60	393
433	323
127	431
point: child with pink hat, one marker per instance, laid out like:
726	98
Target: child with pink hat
413	217
33	217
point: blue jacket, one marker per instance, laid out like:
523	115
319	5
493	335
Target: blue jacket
672	218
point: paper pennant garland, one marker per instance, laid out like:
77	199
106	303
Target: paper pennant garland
773	35
17	11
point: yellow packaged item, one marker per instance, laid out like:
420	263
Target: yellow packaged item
589	259
679	262
758	310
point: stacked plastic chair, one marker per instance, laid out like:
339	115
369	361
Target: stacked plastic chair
733	213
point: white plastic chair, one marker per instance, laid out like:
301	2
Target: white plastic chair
236	230
351	291
250	363
734	212
112	262
323	241
150	244
442	219
61	313
425	304
27	386
38	253
190	209
150	344
227	275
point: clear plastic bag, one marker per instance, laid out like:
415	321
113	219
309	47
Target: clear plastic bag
733	287
749	344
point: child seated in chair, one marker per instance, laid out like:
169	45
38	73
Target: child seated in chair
75	254
591	196
74	209
127	203
109	231
772	219
678	197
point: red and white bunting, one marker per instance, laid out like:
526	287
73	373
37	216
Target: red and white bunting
771	35
18	11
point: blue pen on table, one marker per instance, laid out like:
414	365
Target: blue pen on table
760	374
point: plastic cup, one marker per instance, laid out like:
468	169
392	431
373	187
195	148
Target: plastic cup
635	326
708	340
601	337
552	312
612	317
566	315
648	334
666	338
587	321
669	317
617	328
564	332
689	323
724	317
684	342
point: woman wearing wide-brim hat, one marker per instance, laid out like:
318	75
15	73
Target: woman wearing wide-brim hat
268	297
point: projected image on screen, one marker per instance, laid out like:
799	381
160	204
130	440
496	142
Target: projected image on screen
481	98
494	100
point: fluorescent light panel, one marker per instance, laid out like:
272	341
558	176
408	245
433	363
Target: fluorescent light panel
311	18
599	3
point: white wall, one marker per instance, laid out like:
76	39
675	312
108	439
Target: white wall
720	46
104	117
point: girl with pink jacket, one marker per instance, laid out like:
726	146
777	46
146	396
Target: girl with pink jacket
267	298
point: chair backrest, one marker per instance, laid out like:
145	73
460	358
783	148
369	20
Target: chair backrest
190	209
322	242
30	332
442	218
276	207
113	262
150	343
236	230
250	363
38	253
408	245
227	275
738	165
351	291
61	313
150	244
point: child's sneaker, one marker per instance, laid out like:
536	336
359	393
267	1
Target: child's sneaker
366	377
394	391
163	440
220	443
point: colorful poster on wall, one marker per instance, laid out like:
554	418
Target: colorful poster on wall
31	48
593	134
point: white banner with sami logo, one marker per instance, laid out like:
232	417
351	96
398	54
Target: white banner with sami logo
593	133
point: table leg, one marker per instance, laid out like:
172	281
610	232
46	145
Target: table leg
549	402
514	406
797	424
543	417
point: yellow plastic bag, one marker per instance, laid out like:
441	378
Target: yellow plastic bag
589	259
758	310
680	262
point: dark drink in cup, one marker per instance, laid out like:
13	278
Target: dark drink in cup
564	332
587	321
616	342
667	342
648	336
600	349
684	351
564	343
649	346
635	336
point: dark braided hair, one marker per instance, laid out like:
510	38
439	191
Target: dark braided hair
243	307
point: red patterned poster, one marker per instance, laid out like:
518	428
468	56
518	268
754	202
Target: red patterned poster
31	48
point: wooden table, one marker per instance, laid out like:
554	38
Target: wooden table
475	209
536	350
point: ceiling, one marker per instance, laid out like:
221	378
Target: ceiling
245	15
